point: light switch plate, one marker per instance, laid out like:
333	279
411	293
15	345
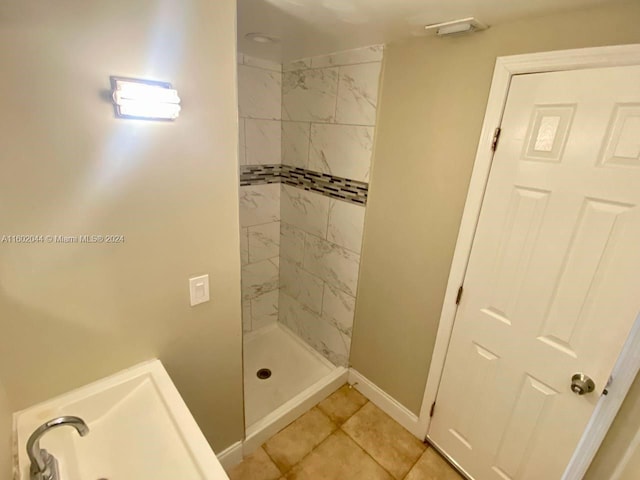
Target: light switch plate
199	290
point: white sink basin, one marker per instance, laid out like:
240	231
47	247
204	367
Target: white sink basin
140	428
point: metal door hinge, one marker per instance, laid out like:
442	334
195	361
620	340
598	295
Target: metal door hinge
606	387
496	139
433	408
459	297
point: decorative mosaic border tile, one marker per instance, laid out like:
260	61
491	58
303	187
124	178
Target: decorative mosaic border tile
259	174
328	185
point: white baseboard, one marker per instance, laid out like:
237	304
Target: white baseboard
386	403
231	456
258	433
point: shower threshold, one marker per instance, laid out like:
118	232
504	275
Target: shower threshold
298	378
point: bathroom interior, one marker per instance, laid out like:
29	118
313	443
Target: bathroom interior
316	174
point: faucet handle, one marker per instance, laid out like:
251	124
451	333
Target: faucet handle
50	472
44	466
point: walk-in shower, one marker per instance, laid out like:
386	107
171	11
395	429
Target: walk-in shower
306	138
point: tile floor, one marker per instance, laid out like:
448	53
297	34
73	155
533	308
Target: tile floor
344	437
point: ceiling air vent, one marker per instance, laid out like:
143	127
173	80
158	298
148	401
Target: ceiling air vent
456	27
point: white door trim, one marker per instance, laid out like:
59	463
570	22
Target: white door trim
506	68
623	374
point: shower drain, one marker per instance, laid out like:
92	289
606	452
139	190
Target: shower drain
263	373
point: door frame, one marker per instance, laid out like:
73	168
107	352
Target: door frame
628	363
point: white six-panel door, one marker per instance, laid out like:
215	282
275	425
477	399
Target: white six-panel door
553	281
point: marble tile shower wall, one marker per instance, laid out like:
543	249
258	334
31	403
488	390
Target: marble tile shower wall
260	106
329	110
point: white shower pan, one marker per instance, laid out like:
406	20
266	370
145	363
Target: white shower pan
140	428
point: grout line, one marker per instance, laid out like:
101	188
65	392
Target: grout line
271	458
318	445
335	111
324	287
266	69
308	160
304	250
259	225
301	265
368	454
342	124
337	245
362	448
416	462
330	66
270	119
282	99
264	293
249	262
250	315
304	247
356	412
337	427
330	207
317	122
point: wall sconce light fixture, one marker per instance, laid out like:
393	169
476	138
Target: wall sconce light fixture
144	99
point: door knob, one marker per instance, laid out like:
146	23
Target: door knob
581	384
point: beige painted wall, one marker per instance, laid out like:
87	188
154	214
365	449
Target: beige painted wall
73	313
5	435
617	442
432	105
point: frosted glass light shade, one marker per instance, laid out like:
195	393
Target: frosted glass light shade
135	98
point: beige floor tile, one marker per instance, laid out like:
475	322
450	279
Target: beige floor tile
290	445
257	466
342	404
386	441
432	466
338	458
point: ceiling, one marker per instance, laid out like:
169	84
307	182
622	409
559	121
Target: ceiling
312	27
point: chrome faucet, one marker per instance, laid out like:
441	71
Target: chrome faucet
44	466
